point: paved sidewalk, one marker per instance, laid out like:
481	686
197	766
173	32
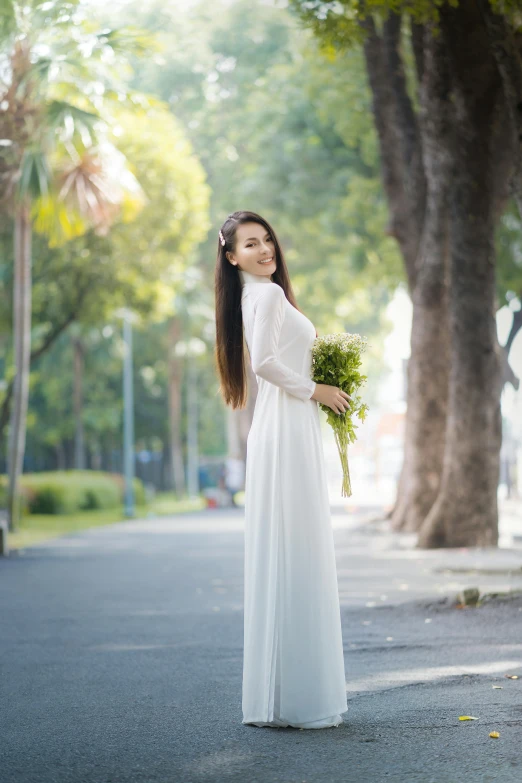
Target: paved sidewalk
121	653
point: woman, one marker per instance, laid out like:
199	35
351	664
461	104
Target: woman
293	665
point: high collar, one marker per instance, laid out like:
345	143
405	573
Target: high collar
248	277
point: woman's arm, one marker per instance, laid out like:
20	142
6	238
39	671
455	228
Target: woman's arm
268	320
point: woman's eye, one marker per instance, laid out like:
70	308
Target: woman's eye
269	240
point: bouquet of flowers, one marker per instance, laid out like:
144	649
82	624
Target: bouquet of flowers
336	359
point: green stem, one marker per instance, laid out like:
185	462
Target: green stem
341	439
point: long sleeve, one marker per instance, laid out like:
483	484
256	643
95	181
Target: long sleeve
268	320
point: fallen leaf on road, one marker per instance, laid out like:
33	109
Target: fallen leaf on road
511	676
467	717
494	734
497	686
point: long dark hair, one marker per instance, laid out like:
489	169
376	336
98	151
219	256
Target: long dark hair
229	348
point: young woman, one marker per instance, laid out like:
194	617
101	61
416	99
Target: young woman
293	664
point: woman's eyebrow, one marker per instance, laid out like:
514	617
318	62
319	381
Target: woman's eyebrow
250	238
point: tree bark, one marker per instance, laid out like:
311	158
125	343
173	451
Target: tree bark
417	200
22	350
465	512
399	139
428	368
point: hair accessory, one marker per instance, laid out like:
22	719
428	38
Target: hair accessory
221	238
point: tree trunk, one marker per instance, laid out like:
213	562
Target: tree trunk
79	438
96	456
428	368
428	371
465	512
22	350
60	456
175	374
418	206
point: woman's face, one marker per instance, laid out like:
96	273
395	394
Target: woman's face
254	247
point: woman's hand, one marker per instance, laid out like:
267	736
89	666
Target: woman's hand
335	398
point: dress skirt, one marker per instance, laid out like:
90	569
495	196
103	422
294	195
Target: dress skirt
293	672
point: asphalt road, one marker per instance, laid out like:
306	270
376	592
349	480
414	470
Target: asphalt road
121	656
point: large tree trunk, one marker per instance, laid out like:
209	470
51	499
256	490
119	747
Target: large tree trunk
428	371
428	368
22	350
465	512
79	437
418	207
175	374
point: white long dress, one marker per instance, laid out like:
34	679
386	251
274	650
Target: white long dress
293	663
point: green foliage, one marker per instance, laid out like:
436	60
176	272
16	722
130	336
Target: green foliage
160	242
279	128
511	9
337	23
22	15
509	255
64	492
60	76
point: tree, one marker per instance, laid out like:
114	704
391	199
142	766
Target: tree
447	152
140	264
53	170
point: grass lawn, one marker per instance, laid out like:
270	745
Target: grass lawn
39	527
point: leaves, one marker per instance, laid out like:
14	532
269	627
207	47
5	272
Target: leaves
70	119
35	176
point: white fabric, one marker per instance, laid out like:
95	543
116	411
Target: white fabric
293	664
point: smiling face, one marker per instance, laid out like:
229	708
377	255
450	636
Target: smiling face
255	250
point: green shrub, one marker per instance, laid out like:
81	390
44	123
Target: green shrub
24	500
64	492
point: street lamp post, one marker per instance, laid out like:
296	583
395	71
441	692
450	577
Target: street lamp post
128	420
128	413
191	349
192	430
